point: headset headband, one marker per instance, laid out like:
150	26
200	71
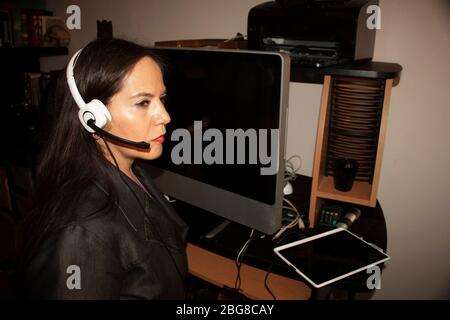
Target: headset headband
71	80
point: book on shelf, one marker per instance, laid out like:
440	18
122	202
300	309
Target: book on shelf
31	26
24	27
6	34
34	88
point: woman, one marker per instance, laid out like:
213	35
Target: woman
100	228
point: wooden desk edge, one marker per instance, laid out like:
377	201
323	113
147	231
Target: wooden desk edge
221	271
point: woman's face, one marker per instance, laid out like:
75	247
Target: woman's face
138	112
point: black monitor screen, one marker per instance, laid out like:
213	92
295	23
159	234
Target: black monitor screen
223	91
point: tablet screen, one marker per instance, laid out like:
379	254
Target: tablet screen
330	256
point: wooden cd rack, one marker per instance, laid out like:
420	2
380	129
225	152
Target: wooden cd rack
352	124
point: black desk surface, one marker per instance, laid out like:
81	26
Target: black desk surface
371	226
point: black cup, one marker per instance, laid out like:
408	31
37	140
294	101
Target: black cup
344	173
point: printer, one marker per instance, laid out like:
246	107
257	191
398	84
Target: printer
315	33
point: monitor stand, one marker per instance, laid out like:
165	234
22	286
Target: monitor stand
217	230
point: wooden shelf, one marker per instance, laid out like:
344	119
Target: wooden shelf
359	194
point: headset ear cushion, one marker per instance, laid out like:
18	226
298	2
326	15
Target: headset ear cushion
97	111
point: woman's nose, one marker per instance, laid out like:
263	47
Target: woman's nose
161	116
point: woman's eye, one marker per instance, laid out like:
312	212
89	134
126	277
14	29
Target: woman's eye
163	99
143	103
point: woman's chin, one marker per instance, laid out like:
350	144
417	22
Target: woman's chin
154	153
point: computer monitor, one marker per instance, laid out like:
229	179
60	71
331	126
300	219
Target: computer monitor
225	145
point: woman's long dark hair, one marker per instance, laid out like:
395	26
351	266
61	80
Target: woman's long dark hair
71	158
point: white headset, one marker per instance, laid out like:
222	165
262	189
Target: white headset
95	109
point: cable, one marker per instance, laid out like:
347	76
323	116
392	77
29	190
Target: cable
265	282
143	210
238	262
300	216
237	282
290	169
297	220
290	175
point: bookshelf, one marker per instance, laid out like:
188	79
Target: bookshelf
23	91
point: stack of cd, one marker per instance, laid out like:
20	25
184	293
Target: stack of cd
354	123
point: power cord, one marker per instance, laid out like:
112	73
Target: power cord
290	168
266	285
290	175
297	221
238	261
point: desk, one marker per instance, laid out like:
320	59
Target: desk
221	271
213	260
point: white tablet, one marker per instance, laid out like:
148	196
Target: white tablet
330	256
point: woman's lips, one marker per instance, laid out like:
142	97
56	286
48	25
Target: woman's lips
160	139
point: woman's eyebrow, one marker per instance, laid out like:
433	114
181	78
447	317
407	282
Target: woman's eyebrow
147	94
143	94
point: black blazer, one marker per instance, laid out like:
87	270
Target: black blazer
121	255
